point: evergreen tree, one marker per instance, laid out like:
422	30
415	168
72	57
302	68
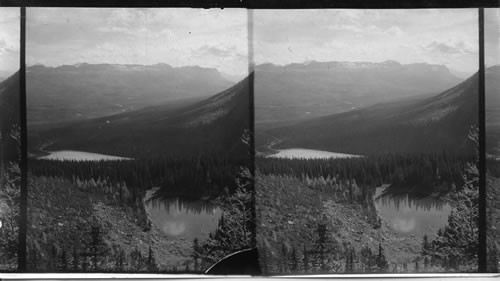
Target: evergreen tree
493	258
426	246
323	247
382	263
63	262
95	247
457	245
196	253
284	258
136	260
294	262
305	261
120	261
151	262
349	267
75	259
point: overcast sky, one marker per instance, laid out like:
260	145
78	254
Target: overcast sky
209	38
218	38
491	34
448	37
9	40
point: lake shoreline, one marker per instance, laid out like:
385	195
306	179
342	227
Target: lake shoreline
181	220
74	155
304	153
410	215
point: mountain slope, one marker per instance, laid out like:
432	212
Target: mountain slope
492	89
83	91
9	116
303	91
214	125
441	122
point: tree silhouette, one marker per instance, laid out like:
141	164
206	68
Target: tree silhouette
457	245
95	247
382	263
305	260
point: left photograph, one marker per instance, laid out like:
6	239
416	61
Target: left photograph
138	139
9	138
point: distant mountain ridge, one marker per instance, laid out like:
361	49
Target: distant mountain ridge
79	67
211	126
300	91
83	91
438	123
316	65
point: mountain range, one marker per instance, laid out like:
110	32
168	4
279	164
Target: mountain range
411	125
83	91
302	91
422	123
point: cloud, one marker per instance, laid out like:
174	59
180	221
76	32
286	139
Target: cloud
450	47
219	51
177	37
9	39
408	36
8	46
394	31
492	36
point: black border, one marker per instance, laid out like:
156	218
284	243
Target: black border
367	4
482	227
259	4
23	204
251	111
129	3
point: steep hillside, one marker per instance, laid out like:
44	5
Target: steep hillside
492	86
9	174
302	91
9	116
82	91
441	122
62	216
214	125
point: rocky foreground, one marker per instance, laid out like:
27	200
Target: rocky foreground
76	230
289	212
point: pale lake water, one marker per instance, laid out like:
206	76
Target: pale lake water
80	156
414	216
184	219
302	153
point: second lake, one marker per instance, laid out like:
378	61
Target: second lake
177	218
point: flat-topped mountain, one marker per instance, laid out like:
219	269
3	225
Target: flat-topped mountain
300	91
82	91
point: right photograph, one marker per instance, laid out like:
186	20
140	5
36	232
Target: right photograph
366	140
492	98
